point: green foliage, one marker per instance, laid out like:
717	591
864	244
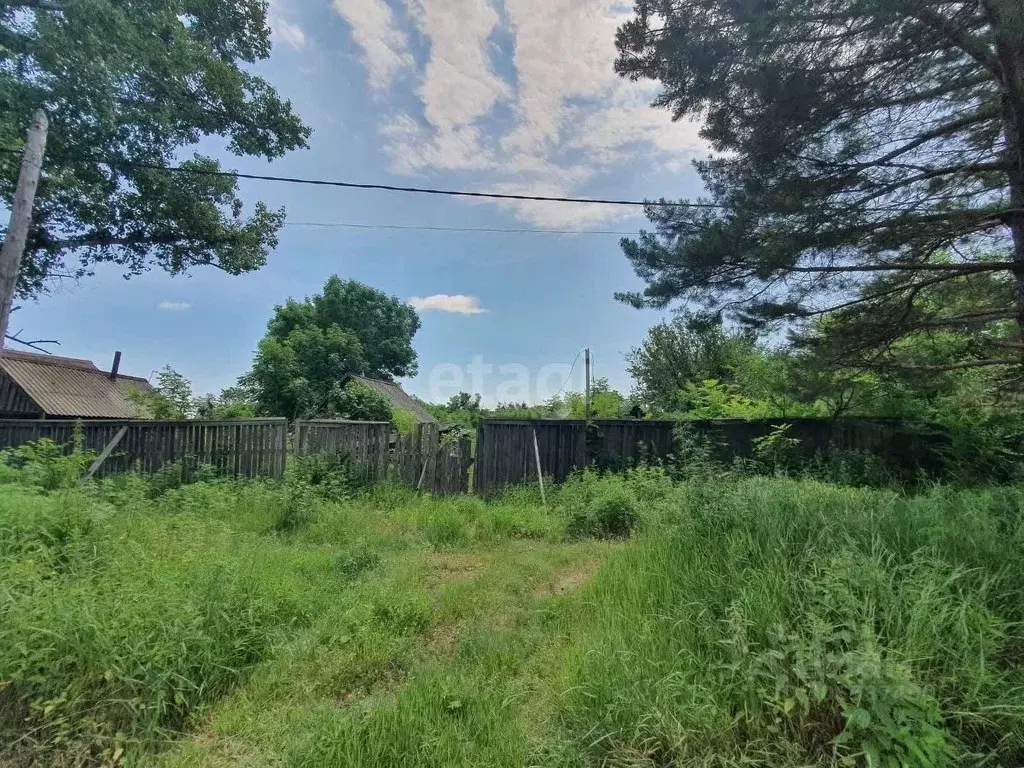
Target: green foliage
232	403
172	399
776	622
777	450
147	621
177	474
596	509
356	562
462	409
311	345
48	465
330	476
358	402
712	399
685	352
832	166
404	422
761	621
125	85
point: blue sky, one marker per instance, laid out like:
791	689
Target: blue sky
506	95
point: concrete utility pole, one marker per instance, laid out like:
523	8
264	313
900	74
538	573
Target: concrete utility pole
586	400
21	217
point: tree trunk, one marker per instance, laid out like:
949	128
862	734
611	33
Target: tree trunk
1008	22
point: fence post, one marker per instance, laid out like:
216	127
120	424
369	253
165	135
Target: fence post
540	474
283	432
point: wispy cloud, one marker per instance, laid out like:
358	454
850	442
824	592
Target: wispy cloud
442	302
385	47
173	306
284	30
544	115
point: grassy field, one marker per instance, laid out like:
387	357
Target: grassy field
757	621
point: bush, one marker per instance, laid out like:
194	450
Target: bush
179	473
611	513
48	465
330	476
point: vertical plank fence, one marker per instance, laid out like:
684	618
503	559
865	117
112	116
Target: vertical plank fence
423	459
245	448
505	452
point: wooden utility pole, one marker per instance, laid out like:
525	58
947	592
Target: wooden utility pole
21	217
586	399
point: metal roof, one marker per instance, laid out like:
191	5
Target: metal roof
67	386
400	399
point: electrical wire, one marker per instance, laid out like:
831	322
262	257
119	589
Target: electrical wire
415	228
384	187
571	369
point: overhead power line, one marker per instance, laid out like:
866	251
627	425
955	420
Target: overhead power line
427	228
384	187
571	369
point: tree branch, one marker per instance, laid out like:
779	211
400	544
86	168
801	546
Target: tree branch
939	132
32	343
966	269
41	5
972	46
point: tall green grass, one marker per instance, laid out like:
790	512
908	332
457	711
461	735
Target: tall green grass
778	622
744	621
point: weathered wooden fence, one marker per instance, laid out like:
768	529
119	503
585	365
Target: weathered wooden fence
505	453
235	447
424	459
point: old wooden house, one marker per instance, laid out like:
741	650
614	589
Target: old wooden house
39	386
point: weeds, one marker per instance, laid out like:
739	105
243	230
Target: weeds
745	621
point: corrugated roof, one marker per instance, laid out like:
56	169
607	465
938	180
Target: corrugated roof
67	386
399	398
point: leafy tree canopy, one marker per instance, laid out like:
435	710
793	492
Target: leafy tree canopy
312	345
681	352
132	84
856	143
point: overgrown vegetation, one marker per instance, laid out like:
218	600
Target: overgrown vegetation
659	617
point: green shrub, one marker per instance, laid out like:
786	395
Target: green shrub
179	473
611	514
404	422
49	465
330	476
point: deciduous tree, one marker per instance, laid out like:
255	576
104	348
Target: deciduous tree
311	345
684	351
127	85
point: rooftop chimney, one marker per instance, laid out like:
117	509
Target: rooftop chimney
115	366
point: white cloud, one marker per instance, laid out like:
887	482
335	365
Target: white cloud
550	123
290	33
384	45
442	302
284	30
173	306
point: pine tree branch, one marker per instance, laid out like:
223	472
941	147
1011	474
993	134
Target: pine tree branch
941	131
973	46
964	269
41	5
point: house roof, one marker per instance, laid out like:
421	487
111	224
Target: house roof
399	398
68	386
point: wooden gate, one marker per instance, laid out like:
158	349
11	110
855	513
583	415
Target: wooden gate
426	459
